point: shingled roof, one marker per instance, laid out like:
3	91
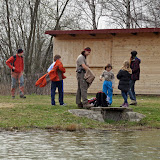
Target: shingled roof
103	31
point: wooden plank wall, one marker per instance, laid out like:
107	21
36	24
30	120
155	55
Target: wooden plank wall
114	50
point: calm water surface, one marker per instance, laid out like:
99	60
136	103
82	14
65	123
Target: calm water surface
91	145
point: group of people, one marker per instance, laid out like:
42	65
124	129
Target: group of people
127	76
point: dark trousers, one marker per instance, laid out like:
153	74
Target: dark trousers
132	90
59	85
125	96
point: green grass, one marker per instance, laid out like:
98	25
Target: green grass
36	112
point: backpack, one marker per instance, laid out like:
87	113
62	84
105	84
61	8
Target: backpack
14	61
101	100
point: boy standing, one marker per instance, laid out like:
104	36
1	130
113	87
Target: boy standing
16	64
108	83
58	80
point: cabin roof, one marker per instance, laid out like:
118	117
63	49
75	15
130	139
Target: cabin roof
102	31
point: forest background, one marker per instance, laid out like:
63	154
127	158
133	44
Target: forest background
23	24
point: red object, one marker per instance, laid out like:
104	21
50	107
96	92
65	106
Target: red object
92	100
18	64
52	75
87	49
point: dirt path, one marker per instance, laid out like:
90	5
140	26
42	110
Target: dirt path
6	105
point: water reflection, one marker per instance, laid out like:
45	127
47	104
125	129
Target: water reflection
133	145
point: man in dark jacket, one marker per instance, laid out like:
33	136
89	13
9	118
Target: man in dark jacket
16	64
135	66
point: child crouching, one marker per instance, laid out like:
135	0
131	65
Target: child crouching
124	76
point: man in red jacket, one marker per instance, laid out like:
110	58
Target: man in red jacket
16	64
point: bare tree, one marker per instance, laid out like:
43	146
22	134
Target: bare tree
60	9
23	26
125	13
91	12
151	18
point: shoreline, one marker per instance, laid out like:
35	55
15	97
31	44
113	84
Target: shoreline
74	128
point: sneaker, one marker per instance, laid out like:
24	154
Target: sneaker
64	104
133	102
13	97
80	106
122	105
125	105
22	96
87	106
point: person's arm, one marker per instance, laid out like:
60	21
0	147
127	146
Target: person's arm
50	67
135	67
9	61
119	75
85	67
113	81
61	68
101	76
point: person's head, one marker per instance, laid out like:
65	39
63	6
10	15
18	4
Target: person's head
108	67
86	52
126	66
20	52
133	54
57	57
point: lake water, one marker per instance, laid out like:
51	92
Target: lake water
90	145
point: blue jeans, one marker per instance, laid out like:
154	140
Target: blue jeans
125	96
108	90
14	78
54	85
131	91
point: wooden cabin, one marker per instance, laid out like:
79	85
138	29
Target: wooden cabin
110	46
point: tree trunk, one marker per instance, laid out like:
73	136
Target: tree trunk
8	28
128	15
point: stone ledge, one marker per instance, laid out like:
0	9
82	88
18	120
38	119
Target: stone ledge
112	109
109	113
87	113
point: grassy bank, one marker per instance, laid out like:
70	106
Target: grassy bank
36	112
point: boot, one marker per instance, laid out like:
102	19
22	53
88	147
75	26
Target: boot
13	97
87	106
122	105
80	106
133	102
22	96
